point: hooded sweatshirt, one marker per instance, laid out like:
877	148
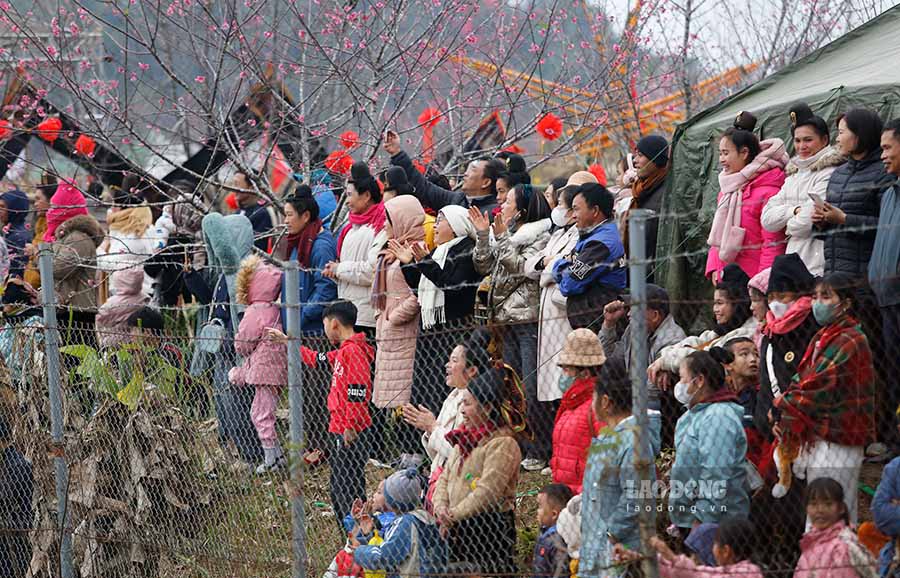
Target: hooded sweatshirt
17	232
258	287
112	317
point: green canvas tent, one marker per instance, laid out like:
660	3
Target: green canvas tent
861	68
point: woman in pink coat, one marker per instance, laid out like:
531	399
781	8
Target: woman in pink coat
752	173
265	360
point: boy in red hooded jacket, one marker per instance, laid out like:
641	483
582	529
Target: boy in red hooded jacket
348	402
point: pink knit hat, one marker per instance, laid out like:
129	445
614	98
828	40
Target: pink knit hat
760	281
66	202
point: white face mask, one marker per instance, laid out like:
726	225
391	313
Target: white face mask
779	309
560	216
682	394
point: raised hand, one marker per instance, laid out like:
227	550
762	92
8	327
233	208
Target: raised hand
479	219
401	252
391	142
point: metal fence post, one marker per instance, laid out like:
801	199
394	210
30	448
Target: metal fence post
643	458
295	398
51	344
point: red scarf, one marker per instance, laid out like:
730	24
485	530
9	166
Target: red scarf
796	315
374	216
467	439
303	241
581	391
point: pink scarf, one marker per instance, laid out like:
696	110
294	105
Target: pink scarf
726	233
797	314
373	216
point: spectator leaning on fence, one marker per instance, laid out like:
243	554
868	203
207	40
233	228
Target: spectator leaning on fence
553	325
611	499
752	173
828	409
808	173
475	496
710	445
520	231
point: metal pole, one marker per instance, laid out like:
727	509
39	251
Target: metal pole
643	458
51	349
295	397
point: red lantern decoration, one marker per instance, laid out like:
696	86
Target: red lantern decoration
339	162
549	127
231	202
430	117
85	145
349	139
49	129
598	171
5	129
515	149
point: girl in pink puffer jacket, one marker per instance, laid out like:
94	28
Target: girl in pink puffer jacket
830	549
264	360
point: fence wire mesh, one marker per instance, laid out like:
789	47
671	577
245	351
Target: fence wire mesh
178	461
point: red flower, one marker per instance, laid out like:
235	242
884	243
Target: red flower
430	117
5	129
349	139
49	128
549	127
339	162
85	145
598	171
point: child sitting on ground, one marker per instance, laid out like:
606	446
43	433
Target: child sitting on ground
364	524
551	556
412	543
351	389
830	549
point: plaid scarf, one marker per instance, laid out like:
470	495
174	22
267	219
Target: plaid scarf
832	395
467	439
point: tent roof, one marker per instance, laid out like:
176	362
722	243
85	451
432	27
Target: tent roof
858	58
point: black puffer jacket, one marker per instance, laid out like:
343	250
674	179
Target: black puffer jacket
855	188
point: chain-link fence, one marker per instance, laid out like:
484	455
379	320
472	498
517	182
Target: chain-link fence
141	441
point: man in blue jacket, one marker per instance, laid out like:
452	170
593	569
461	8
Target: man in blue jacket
254	209
479	185
594	273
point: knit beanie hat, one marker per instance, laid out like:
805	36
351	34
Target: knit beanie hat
733	277
403	490
790	274
760	281
700	541
655	148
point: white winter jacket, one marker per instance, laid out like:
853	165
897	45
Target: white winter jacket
356	270
804	176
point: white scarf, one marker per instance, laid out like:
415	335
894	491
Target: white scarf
431	297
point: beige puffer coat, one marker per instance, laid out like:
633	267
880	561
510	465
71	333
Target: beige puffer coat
514	297
396	330
75	262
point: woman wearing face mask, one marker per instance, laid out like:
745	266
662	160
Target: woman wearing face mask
521	230
829	407
446	281
553	191
710	445
791	210
731	310
575	425
752	173
554	324
789	328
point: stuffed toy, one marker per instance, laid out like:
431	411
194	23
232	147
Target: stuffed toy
787	461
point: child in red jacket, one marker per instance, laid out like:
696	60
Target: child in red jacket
348	402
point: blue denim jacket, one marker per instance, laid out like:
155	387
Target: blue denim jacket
611	500
708	480
886	513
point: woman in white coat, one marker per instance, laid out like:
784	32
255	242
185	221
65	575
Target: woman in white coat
554	324
808	173
131	241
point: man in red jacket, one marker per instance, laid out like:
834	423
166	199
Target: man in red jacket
348	402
